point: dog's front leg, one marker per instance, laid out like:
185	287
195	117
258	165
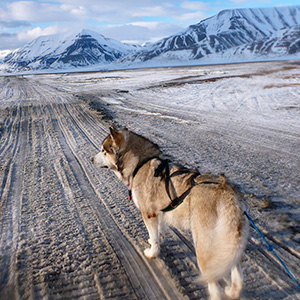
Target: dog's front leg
151	221
162	229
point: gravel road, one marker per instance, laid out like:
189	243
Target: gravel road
67	230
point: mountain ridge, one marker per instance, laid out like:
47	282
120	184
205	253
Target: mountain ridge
226	30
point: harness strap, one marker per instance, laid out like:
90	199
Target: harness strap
142	163
178	200
135	172
184	171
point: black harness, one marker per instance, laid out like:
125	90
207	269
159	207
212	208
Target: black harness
163	170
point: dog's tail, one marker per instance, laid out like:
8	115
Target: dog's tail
228	243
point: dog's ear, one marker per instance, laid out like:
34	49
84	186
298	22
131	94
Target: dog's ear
117	136
113	131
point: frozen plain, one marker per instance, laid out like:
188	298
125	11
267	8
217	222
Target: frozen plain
67	229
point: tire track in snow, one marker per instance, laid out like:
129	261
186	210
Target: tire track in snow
105	277
104	286
11	194
9	148
140	271
8	139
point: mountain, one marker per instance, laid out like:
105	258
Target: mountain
229	29
283	42
3	53
66	51
230	36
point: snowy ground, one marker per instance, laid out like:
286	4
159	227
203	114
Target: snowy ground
67	229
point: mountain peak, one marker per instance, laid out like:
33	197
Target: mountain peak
67	50
86	32
91	33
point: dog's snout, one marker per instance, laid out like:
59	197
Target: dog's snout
92	159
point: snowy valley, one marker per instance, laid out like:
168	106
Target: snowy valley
68	230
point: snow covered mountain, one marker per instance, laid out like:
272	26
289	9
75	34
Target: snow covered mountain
281	43
66	51
3	53
239	29
230	36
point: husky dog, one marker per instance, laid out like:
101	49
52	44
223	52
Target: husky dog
165	193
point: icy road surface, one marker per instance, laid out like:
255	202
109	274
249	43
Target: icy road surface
67	230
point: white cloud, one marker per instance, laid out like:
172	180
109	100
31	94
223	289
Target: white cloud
140	32
195	5
29	35
114	11
31	11
154	11
74	10
247	3
193	17
18	39
119	19
149	25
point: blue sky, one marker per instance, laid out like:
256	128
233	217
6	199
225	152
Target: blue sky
130	21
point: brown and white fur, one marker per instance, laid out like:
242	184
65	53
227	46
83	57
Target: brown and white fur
213	212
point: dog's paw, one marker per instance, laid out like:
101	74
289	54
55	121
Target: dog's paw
150	253
231	292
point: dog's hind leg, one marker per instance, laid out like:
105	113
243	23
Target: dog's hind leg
233	291
152	223
214	291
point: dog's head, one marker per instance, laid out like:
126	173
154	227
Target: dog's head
111	148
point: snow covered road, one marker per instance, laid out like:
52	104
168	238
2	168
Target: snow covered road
67	230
